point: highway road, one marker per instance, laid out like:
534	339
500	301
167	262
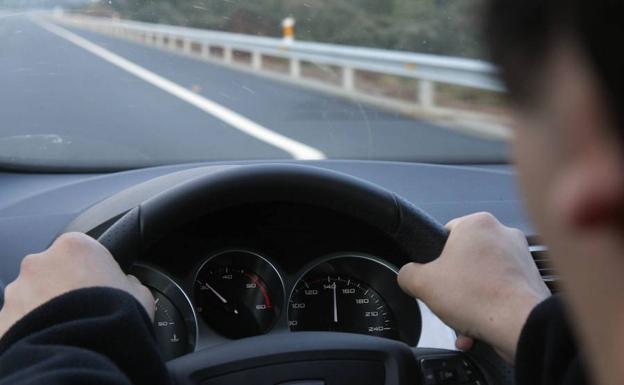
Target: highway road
70	96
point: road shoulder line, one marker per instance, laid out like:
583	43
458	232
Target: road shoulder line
296	149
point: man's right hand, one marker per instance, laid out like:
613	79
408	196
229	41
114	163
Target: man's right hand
484	284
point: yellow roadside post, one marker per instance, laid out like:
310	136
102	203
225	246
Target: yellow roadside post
288	29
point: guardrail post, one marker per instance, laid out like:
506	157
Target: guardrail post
256	60
187	46
295	68
205	51
426	94
348	78
173	41
227	54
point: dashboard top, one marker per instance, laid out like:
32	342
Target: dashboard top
35	208
265	265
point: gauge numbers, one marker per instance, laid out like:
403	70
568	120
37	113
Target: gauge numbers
238	294
341	304
234	301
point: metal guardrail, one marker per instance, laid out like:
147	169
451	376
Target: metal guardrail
223	48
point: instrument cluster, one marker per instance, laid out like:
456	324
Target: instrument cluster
238	293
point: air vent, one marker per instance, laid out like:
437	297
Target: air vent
549	274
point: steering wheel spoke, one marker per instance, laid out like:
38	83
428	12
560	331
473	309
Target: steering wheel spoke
306	357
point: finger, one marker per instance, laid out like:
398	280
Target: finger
143	295
452	223
464	343
413	279
480	217
150	305
73	239
79	243
134	280
4	324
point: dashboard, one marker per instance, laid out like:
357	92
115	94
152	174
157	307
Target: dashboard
270	269
238	293
277	268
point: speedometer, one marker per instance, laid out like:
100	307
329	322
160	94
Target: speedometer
353	293
342	304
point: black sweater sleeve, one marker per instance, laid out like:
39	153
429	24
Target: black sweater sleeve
547	353
89	336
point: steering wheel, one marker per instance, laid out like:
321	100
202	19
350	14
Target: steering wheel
315	358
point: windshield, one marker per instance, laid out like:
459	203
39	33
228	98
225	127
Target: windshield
116	84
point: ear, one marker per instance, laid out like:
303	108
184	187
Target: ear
590	193
589	189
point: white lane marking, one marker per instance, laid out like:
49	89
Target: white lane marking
296	149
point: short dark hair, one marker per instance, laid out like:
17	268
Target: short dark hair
521	33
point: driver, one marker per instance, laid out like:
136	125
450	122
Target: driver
72	316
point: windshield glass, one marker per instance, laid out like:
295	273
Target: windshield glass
114	84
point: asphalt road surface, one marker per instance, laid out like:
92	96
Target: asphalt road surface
70	97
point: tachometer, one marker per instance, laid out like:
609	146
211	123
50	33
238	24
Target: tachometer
339	303
238	294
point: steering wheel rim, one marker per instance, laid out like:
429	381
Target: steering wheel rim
417	234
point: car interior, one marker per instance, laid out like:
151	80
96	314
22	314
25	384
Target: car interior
284	271
265	168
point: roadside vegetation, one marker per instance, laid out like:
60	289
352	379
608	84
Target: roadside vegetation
443	27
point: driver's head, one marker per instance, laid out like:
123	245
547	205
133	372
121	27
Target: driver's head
562	63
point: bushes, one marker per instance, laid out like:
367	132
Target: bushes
445	27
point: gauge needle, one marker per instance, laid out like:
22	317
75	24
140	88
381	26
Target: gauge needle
335	305
216	293
221	298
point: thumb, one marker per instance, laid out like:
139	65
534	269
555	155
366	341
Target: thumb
413	279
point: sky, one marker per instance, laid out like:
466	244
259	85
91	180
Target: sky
20	4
